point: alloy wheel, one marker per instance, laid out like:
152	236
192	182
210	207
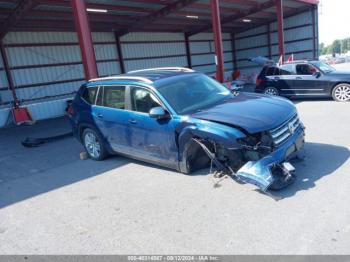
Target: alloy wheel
92	145
271	91
342	93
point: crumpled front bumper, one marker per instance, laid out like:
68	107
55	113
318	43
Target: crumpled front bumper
261	172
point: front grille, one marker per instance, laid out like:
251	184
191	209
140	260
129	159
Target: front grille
284	131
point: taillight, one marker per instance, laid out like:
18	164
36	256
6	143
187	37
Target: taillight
258	81
70	110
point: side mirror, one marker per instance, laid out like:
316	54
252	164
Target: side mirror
158	113
317	74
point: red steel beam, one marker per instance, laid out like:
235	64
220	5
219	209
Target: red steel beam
280	33
219	56
85	38
8	74
22	8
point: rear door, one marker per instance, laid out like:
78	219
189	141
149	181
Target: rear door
286	81
111	117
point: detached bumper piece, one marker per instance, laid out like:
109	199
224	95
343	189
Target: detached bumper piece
272	171
266	177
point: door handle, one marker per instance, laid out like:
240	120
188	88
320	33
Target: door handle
132	121
277	78
298	78
99	115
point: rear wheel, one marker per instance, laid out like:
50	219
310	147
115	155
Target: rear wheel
271	91
341	93
93	145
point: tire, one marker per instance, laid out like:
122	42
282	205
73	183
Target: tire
93	145
341	93
271	91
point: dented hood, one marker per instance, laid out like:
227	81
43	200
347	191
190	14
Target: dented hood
252	112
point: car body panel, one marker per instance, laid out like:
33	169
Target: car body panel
167	141
253	113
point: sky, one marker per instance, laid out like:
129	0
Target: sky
334	20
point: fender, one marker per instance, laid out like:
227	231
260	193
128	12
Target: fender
221	134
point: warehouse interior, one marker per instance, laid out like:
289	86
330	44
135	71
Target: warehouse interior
50	47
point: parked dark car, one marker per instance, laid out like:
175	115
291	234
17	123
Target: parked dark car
304	79
185	120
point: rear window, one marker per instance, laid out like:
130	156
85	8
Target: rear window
89	94
272	71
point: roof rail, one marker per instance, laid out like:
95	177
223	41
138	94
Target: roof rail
180	69
136	78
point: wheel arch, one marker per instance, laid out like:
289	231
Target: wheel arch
84	126
227	136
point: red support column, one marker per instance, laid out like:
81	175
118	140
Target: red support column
279	8
219	57
85	39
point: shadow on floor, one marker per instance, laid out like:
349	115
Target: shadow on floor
321	160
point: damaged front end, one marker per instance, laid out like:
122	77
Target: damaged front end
260	159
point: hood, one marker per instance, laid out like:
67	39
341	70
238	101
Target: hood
252	112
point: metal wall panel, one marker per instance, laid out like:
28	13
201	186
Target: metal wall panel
3	79
254	31
203	52
40	57
145	50
154	36
40	37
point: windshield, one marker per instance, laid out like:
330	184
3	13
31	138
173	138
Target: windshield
323	66
193	93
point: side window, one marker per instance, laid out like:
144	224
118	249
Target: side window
112	96
89	94
287	70
142	100
305	69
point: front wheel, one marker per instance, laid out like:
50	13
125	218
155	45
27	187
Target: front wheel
271	91
93	145
341	93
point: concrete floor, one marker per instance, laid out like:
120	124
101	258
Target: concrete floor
51	202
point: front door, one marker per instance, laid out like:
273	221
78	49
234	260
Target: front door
306	83
151	139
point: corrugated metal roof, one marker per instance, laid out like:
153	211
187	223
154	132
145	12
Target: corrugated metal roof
48	14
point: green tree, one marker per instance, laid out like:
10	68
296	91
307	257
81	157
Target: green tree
336	47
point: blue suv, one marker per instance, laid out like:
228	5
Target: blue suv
185	120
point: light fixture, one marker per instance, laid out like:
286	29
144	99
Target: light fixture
192	16
246	20
96	10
